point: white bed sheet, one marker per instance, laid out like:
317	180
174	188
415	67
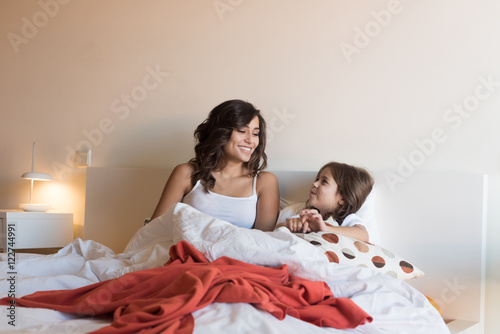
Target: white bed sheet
395	306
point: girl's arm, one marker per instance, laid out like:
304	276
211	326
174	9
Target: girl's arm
311	220
268	201
178	184
357	231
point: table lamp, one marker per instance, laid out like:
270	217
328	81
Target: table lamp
35	176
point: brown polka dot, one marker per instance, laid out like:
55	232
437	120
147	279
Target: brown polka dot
378	261
361	246
331	237
332	257
406	267
348	253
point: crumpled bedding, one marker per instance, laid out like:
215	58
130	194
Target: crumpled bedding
395	306
162	299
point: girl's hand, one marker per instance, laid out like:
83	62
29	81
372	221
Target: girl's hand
312	221
294	225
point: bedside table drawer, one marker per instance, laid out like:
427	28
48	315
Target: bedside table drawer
36	230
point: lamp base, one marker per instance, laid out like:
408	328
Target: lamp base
34	207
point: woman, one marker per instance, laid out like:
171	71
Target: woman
225	178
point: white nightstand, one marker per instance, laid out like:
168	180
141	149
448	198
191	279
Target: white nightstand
29	230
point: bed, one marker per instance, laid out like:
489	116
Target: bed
432	222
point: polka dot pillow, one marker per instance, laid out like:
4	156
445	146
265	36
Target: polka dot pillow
345	250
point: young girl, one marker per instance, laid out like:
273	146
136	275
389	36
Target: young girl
225	178
336	195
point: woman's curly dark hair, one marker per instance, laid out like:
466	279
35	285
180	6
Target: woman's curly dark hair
215	131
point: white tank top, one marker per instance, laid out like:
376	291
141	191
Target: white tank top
240	211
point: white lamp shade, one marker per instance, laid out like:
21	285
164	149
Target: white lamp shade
37	176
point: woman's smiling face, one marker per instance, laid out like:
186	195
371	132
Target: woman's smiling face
243	142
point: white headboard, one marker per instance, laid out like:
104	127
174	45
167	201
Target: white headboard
435	220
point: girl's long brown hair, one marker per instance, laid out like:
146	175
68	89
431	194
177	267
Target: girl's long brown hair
354	185
215	131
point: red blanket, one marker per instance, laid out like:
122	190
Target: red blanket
161	300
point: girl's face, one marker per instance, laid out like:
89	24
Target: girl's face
324	194
243	142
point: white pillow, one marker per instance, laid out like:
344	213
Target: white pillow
367	210
367	213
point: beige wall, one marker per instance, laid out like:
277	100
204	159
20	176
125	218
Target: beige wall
372	83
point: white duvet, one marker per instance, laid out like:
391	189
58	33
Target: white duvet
395	306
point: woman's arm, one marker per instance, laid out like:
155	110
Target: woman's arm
178	184
268	201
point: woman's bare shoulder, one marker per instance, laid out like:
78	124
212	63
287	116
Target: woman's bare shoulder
182	172
266	175
267	179
185	169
